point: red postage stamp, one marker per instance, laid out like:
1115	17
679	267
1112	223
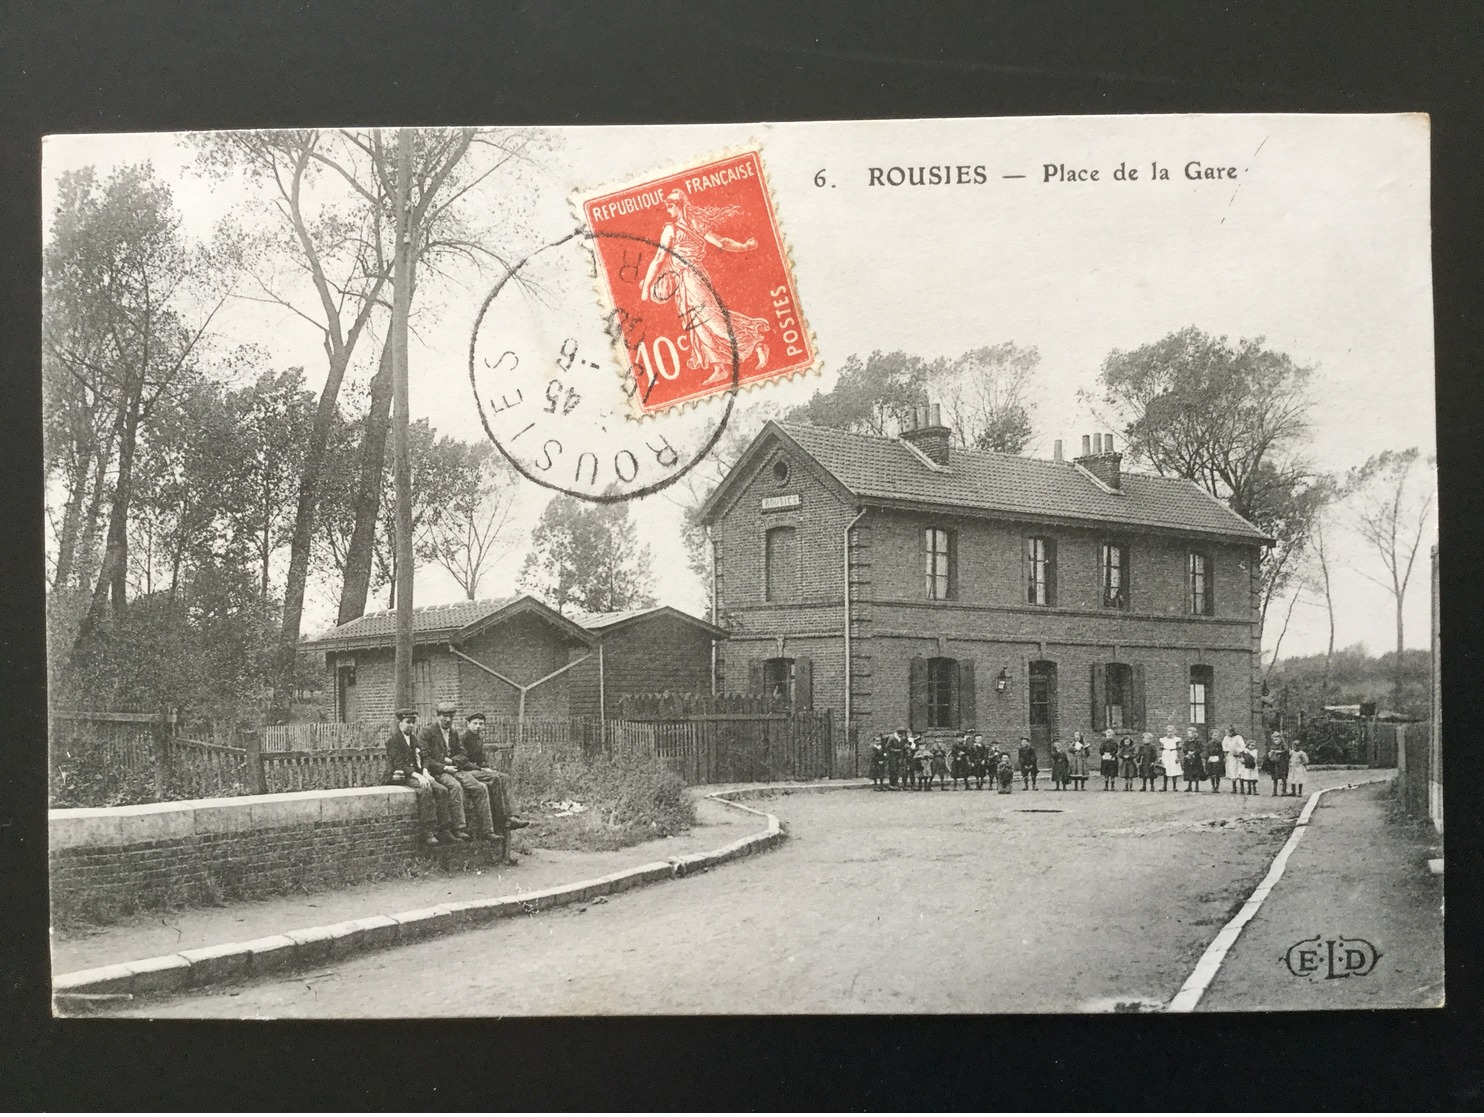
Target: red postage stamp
701	292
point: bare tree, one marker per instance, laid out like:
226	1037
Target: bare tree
463	534
1391	505
986	396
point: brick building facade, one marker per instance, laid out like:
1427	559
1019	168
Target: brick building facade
967	589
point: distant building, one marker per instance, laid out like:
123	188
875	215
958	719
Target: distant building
907	581
515	655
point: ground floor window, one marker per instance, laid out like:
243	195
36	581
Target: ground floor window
778	681
942	693
1201	685
1117	696
1042	693
422	690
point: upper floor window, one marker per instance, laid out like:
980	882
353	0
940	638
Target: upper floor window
1113	574
1198	582
939	561
782	563
1040	564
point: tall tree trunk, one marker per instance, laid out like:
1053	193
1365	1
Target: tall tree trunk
87	545
112	586
360	555
299	546
1396	683
72	520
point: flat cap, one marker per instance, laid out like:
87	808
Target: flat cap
406	712
447	708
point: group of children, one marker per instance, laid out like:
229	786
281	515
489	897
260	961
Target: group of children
905	761
902	761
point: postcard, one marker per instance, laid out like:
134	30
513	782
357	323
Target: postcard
886	566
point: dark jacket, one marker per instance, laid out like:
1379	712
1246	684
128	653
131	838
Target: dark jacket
468	752
437	755
1027	756
400	756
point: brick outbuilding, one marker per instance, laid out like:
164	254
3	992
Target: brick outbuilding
906	581
484	654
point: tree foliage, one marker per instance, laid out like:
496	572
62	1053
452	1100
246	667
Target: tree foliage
127	299
984	394
1232	417
588	556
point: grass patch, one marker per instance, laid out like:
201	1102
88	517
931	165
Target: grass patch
626	800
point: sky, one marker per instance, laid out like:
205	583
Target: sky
1319	243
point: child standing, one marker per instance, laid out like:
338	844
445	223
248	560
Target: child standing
1298	768
1127	762
1077	762
1249	772
1061	771
1108	763
1192	765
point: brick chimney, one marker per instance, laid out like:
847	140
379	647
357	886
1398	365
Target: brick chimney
929	434
1101	460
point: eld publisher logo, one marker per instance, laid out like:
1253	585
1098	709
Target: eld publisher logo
1319	957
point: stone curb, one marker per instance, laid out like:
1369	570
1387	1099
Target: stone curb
314	946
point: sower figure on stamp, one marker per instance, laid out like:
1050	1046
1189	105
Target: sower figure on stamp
678	271
469	761
438	746
405	766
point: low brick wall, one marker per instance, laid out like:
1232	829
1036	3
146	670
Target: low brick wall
108	862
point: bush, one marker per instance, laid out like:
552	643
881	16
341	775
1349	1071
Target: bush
628	799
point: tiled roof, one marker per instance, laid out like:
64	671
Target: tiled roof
437	622
601	622
597	621
887	469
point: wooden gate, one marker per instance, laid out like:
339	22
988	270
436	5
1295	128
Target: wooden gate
735	746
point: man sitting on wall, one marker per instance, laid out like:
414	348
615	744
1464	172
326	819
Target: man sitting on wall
406	765
438	746
468	760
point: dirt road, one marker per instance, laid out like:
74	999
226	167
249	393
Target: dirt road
879	902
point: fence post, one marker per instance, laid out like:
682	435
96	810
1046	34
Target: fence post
160	738
252	741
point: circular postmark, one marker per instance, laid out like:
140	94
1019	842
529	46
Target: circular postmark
553	380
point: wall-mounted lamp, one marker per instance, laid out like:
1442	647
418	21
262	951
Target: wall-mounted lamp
1002	683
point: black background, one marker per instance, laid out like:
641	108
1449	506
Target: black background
92	67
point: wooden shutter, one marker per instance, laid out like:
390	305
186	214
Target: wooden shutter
966	707
952	565
754	676
1050	571
803	683
1128	576
1099	696
1210	600
1136	696
1050	669
917	693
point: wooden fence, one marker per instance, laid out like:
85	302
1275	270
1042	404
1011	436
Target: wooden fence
145	760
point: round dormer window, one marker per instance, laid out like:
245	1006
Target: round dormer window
780	471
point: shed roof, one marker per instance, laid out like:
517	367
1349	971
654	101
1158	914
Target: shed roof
887	471
451	623
603	623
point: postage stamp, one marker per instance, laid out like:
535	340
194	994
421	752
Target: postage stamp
698	282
